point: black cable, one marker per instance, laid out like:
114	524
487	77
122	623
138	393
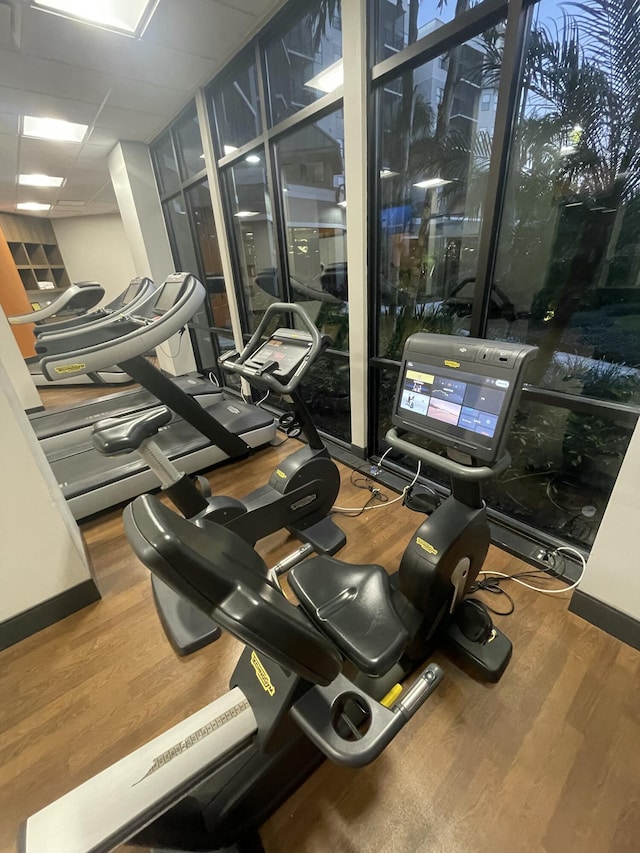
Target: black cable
492	584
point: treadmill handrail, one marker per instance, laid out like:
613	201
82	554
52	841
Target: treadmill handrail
137	305
92	359
58	304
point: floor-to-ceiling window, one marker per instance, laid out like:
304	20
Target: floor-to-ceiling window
503	205
178	161
519	226
278	131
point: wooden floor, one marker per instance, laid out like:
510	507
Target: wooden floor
547	760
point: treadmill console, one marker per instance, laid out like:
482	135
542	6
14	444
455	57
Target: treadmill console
282	355
460	392
169	293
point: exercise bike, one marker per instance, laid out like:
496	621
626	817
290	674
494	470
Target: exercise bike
299	494
305	686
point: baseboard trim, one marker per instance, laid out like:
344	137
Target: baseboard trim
47	613
602	615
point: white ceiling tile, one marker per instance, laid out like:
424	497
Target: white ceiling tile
82	186
197	26
130	124
35	104
9	124
135	95
49	158
93	156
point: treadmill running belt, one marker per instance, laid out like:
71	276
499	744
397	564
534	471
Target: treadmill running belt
89	469
55	422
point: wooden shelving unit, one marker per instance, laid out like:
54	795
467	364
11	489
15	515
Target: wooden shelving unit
35	252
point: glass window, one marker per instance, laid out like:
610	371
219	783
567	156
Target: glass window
326	391
189	146
304	61
311	168
236	103
184	255
567	275
253	225
402	22
433	169
563	465
166	166
199	201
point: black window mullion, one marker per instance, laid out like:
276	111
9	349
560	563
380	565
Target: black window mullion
513	58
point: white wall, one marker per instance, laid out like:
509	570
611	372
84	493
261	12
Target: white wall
613	570
95	248
41	550
16	368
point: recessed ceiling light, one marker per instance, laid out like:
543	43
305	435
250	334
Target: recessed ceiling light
431	183
53	128
329	79
253	158
32	205
39	181
229	149
129	17
245	214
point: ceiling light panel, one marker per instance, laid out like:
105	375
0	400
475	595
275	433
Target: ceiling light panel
39	181
32	205
53	128
129	17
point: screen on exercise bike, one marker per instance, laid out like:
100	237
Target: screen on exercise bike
287	348
458	403
461	393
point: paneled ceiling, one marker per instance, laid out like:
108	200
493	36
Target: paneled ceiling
123	88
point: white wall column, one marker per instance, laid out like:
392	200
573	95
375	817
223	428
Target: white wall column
354	50
612	576
137	194
44	569
16	368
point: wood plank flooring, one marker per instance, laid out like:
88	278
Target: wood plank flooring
546	760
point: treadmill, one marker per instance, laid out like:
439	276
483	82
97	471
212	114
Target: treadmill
77	298
132	299
125	302
198	436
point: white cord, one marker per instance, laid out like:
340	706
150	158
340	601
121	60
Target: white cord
249	403
213	378
539	588
380	506
170	354
383	457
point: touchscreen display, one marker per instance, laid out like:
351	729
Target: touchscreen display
288	355
452	401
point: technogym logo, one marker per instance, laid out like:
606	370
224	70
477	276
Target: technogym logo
194	738
262	675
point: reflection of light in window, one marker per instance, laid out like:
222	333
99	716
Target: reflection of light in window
252	158
245	214
229	149
329	79
431	183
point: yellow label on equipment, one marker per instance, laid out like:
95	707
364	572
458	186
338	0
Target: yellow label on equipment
262	675
418	376
426	546
281	474
391	696
70	368
452	363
